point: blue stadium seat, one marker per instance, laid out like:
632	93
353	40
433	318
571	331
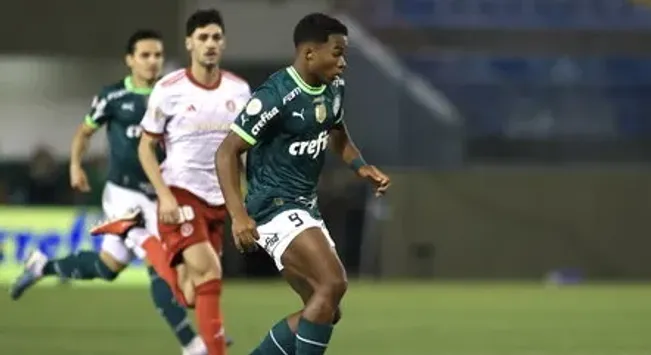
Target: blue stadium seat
490	90
585	14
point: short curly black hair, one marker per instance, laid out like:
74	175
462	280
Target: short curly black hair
203	18
317	27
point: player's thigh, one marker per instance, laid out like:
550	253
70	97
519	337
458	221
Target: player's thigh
297	280
311	255
202	262
296	240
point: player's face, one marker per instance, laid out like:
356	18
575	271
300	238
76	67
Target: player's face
328	59
146	62
206	45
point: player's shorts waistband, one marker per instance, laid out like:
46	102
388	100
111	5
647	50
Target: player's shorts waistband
187	194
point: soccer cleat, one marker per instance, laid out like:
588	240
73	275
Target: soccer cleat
121	225
32	273
196	347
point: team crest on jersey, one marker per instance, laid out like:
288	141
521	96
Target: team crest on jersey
159	114
230	106
187	229
336	105
254	107
320	113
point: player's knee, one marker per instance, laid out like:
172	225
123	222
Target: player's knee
337	316
208	271
202	264
185	284
333	287
112	264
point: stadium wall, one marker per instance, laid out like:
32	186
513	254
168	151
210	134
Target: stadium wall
508	223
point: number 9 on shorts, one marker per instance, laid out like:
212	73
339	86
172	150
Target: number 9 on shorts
278	233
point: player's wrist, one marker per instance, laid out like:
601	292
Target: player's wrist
75	166
357	164
238	216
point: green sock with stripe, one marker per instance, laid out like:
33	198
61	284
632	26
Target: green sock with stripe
279	341
312	338
83	265
175	315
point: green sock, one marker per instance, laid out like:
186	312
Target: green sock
279	341
312	338
83	265
175	315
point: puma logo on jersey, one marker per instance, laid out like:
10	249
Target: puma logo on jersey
128	106
265	117
312	148
299	114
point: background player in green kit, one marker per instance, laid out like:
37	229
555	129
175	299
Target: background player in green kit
120	108
286	127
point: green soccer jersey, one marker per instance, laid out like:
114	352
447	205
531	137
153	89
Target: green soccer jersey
288	124
120	107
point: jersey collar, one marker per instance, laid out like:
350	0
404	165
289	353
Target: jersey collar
128	84
312	90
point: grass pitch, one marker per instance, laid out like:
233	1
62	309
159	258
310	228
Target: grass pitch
379	318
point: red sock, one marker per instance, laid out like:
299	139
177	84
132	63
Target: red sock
209	318
158	258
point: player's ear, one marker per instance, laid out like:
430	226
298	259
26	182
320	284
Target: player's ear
128	60
188	43
309	53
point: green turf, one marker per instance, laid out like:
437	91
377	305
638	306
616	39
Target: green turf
392	319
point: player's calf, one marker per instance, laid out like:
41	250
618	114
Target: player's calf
205	273
311	256
83	265
175	315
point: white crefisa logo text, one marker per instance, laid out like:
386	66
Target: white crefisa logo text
265	117
312	148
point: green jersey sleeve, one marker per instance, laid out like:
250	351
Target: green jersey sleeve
338	104
98	114
255	120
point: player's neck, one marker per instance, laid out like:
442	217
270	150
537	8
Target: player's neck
139	83
207	78
308	78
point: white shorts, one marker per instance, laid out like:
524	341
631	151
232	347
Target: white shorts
277	234
117	201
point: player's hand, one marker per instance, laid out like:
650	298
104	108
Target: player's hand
245	233
78	179
378	178
168	210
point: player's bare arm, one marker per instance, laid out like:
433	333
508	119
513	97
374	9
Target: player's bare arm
343	146
229	171
78	179
168	207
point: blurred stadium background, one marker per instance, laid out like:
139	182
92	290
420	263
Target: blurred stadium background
518	134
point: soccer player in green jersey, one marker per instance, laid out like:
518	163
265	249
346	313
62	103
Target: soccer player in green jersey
285	129
119	107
